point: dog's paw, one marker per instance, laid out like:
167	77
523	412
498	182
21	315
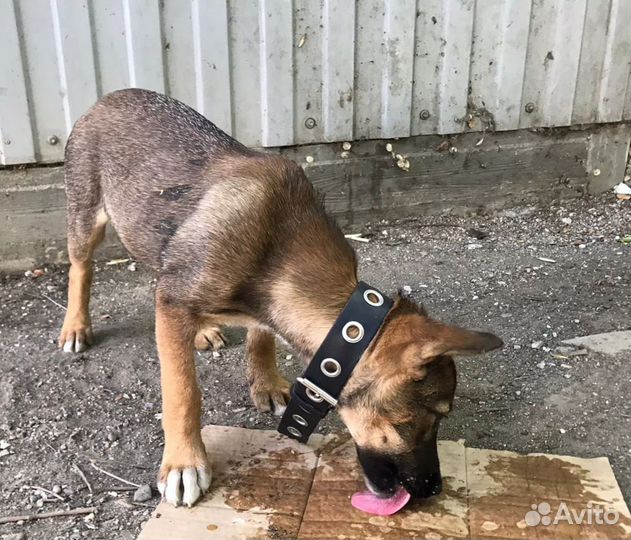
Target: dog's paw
184	484
270	393
209	338
75	336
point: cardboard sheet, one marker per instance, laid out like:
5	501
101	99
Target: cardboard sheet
267	486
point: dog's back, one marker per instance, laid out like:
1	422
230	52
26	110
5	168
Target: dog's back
144	158
188	200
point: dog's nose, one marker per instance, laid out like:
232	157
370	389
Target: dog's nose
426	486
434	484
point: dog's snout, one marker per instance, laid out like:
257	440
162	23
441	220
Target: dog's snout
434	484
424	486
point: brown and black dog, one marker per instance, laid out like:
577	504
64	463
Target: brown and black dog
238	237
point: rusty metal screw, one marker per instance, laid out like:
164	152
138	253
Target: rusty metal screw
424	114
530	107
310	123
53	139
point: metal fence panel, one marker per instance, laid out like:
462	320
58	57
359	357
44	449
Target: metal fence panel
554	47
16	135
282	72
498	62
441	74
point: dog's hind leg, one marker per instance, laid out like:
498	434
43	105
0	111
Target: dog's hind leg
86	228
209	337
268	389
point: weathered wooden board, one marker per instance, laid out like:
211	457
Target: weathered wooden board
485	172
267	486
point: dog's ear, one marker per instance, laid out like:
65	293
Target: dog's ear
441	339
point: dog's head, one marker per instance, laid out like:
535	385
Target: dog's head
398	394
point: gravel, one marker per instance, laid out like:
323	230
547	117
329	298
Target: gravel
57	410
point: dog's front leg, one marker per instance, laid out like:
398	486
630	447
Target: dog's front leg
185	472
268	389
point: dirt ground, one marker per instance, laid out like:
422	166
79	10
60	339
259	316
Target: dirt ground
103	406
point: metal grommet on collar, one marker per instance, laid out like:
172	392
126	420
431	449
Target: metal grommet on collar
371	292
330	367
299	420
349	325
295	432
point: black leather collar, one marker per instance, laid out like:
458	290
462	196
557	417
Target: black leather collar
318	389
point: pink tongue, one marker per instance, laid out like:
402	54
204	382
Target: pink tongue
368	502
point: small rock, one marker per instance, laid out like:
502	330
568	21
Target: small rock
561	431
566	220
113	436
309	159
474	246
143	493
536	344
14	536
288	356
622	189
57	489
407	289
132	267
477	234
216	354
346	145
541	365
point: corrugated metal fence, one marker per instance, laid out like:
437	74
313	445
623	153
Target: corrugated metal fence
284	72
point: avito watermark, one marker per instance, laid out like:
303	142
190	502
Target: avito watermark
591	514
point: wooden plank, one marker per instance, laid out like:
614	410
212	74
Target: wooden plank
110	50
243	29
144	44
507	167
309	42
75	58
369	66
441	67
277	84
212	61
396	90
608	149
616	63
41	65
16	135
498	59
338	64
554	46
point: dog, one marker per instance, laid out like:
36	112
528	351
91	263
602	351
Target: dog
239	237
